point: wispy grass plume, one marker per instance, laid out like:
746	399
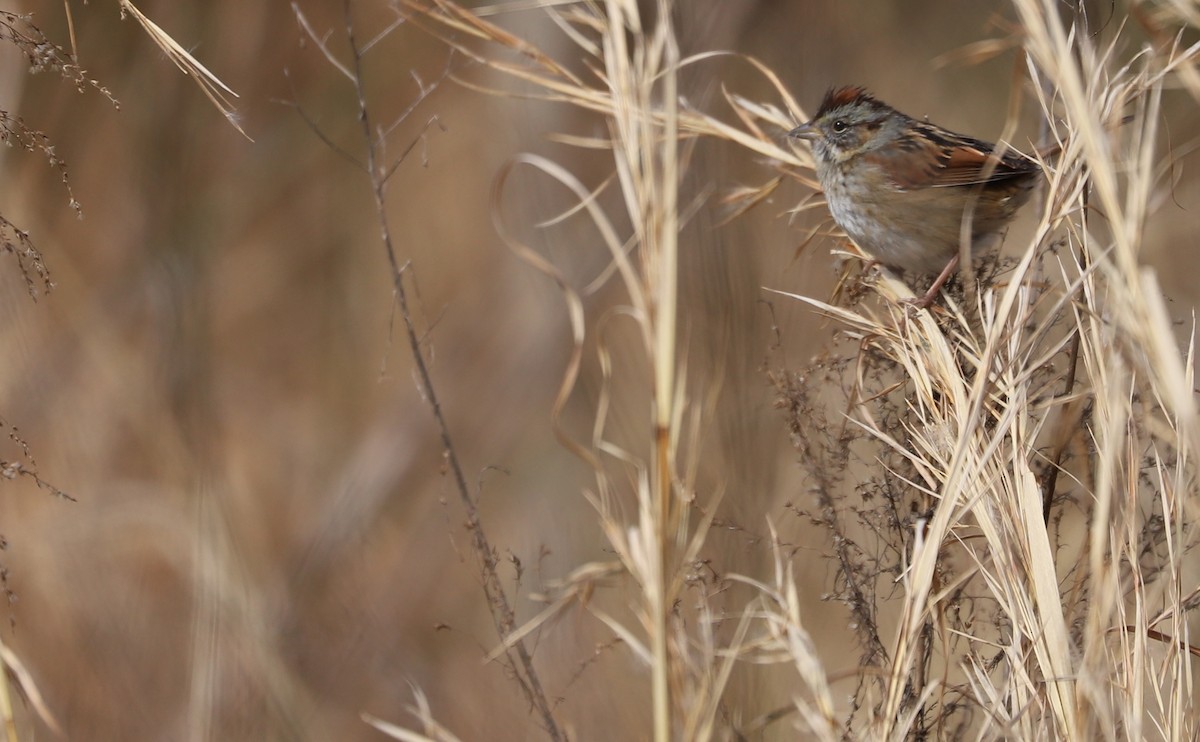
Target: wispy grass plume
1008	482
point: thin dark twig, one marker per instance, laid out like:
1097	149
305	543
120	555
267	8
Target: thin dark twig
1050	479
322	43
27	467
384	33
1159	636
922	722
408	150
316	128
424	92
497	599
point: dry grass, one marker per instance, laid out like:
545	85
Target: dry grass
998	498
1018	464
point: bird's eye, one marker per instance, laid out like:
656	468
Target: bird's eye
839	126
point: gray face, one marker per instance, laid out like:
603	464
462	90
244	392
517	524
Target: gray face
851	128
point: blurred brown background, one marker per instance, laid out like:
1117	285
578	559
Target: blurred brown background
265	542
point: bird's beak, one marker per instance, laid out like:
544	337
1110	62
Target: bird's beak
804	131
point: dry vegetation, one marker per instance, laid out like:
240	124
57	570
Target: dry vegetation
984	527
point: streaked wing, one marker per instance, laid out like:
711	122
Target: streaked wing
972	161
940	159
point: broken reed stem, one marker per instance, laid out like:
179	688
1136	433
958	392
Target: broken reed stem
497	599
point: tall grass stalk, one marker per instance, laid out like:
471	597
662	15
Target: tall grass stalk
1034	446
639	60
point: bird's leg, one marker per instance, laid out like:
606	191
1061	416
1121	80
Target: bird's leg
931	294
